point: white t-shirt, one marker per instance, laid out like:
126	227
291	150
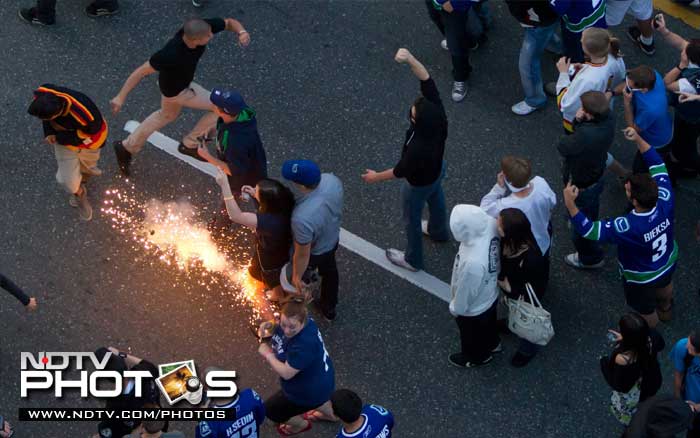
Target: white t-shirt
684	85
537	206
591	77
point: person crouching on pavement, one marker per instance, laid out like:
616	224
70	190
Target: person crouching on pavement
474	285
307	377
239	150
75	128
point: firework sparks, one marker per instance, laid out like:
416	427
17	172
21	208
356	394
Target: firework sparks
171	232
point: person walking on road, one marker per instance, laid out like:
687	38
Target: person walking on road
316	229
176	64
44	13
75	128
423	168
474	286
647	251
584	160
522	263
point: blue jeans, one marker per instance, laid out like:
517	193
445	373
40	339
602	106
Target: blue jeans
413	200
588	202
535	41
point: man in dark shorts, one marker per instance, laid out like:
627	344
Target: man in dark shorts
176	63
647	252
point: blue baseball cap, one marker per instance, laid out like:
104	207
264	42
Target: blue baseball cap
304	172
230	101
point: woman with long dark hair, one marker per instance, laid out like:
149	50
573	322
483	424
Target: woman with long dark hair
272	225
632	368
522	263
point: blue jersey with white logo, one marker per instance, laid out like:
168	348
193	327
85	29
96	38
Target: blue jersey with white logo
578	15
645	246
250	414
378	423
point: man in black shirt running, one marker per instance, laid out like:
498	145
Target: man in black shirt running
176	63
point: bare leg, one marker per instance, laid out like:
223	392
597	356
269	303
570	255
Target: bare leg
324	412
664	302
296	424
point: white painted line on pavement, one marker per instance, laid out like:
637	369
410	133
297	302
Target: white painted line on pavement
348	240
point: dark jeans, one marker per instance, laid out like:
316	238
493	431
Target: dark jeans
413	200
480	10
479	334
46	9
588	201
571	44
328	270
458	41
684	145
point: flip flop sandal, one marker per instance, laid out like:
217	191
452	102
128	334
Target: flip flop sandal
309	416
281	429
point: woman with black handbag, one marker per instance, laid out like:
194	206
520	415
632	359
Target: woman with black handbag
522	263
632	368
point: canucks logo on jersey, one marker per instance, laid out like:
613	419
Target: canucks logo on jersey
378	423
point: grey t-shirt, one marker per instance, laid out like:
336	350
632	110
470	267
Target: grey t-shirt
316	217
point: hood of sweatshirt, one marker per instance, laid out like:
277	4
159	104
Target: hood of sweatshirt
469	223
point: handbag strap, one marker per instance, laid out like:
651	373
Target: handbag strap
533	296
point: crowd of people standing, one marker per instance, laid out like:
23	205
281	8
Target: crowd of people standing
505	242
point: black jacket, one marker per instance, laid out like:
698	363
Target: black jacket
80	124
532	12
586	150
424	145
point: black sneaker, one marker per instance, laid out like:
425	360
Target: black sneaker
93	11
29	15
123	157
190	152
458	360
519	360
635	35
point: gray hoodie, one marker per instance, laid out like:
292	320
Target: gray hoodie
475	272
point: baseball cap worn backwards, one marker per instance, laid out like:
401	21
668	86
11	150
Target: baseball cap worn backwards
304	172
230	101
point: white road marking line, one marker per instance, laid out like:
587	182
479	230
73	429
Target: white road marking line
348	240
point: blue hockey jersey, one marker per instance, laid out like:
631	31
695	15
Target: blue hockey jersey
250	414
578	15
378	423
646	249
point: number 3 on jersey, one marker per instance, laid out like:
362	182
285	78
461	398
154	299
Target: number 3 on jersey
659	245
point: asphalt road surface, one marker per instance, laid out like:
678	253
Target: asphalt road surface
322	79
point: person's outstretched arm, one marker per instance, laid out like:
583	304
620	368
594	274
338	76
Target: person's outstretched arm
235	26
15	290
132	81
673	39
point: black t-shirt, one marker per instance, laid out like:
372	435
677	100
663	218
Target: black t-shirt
274	238
176	63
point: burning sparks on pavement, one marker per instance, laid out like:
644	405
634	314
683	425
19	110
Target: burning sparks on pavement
172	232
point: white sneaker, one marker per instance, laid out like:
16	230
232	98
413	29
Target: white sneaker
197	3
573	261
443	44
397	257
522	108
424	226
459	91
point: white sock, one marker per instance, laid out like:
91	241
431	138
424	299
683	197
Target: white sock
646	40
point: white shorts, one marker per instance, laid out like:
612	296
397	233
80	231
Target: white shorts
615	10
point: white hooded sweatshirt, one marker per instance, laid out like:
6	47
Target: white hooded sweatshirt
475	272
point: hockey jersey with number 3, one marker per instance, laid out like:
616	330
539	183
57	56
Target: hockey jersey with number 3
378	423
646	249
